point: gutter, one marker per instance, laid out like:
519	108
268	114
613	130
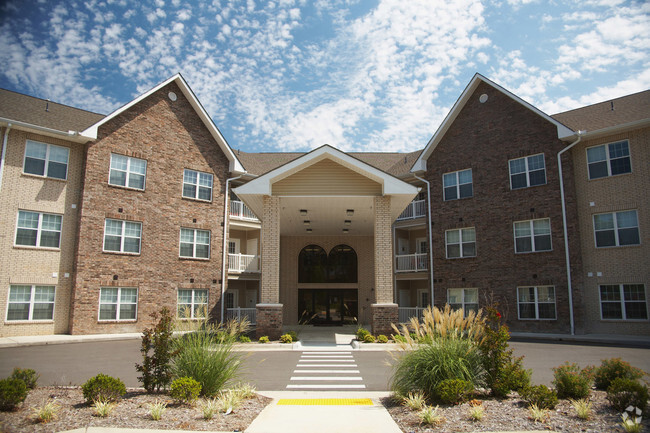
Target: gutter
430	237
69	135
224	260
564	228
4	153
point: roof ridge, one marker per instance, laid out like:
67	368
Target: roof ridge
604	101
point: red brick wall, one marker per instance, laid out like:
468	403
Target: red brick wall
484	137
171	137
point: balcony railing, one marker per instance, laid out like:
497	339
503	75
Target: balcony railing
240	211
411	263
243	263
415	209
240	313
405	313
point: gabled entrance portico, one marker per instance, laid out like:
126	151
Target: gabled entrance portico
330	200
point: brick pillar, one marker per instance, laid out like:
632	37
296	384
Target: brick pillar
384	311
269	310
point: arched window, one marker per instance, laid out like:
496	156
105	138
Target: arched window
342	263
312	265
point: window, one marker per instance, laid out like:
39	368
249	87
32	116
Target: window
117	303
122	236
617	229
195	243
30	303
533	236
192	304
536	303
127	171
527	171
38	229
465	299
623	302
609	159
460	243
46	160
458	184
197	185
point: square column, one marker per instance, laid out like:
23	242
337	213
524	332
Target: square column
269	310
384	310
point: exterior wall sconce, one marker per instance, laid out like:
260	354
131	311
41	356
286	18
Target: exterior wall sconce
306	222
348	222
303	212
350	212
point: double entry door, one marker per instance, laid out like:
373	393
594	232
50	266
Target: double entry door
327	306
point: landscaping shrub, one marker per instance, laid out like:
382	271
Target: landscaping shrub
369	338
286	338
185	390
12	393
201	356
27	375
398	338
447	323
427	365
156	367
361	334
512	377
572	382
264	339
293	335
103	388
627	392
382	339
612	369
453	391
541	396
244	339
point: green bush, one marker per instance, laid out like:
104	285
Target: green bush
453	391
12	393
244	339
201	356
382	339
361	334
398	338
103	388
264	339
541	396
286	338
612	369
293	335
627	392
512	377
185	390
156	367
369	338
27	375
426	366
572	382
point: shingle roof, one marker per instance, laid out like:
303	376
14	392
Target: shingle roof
28	109
608	113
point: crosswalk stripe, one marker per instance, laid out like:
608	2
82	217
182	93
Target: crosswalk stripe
327	360
325	378
327	371
327	386
326	356
314	352
326	365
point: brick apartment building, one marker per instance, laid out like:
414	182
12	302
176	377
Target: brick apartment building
106	219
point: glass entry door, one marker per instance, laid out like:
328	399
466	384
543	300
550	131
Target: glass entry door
327	306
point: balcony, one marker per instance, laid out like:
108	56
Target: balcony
240	263
415	209
240	211
405	313
240	313
411	263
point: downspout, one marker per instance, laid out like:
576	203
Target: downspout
224	260
4	153
430	236
564	227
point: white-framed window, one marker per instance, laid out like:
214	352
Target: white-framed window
36	229
424	298
532	235
527	171
192	303
118	303
195	243
231	299
421	246
30	303
122	236
616	229
197	185
623	302
44	159
465	299
536	303
127	171
233	246
460	243
457	184
609	159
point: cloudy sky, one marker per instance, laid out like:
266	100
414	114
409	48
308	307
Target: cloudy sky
291	75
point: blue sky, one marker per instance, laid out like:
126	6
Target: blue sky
291	75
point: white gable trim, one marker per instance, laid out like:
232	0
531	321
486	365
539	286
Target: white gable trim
235	165
421	164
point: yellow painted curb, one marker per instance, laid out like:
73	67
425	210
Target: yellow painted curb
325	402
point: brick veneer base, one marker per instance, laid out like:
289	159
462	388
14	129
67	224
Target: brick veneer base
269	321
382	317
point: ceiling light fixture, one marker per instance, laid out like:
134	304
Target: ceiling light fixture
306	222
350	212
303	212
346	231
348	222
309	230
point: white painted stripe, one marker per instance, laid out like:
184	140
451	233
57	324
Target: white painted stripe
328	371
325	365
334	352
327	386
326	378
327	360
327	356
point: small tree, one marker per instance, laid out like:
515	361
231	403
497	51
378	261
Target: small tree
156	368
